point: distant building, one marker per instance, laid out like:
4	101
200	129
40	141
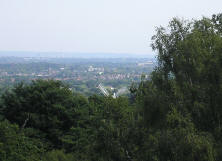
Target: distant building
145	63
92	69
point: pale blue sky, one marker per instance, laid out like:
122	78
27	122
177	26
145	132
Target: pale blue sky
104	26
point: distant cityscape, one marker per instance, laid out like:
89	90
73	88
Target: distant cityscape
82	75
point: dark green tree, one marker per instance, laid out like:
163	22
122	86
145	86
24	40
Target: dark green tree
186	85
47	106
14	145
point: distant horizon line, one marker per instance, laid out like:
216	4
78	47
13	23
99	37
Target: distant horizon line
69	54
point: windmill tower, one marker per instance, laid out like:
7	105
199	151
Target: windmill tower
105	92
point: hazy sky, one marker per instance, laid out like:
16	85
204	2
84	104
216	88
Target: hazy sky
111	26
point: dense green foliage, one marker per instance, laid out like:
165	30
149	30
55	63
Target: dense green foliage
174	116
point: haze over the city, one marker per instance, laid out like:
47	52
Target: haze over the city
86	26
